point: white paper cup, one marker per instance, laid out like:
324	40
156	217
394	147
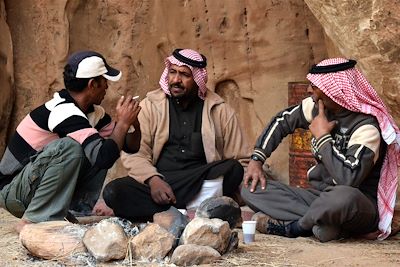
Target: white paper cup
249	230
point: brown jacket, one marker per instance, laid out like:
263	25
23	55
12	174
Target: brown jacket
222	136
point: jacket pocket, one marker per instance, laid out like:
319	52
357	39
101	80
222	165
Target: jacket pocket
40	163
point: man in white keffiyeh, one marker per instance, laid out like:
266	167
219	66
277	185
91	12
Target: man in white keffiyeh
356	146
190	138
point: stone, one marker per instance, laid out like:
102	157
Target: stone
233	242
224	208
130	229
262	220
152	243
188	255
106	241
207	232
173	221
54	239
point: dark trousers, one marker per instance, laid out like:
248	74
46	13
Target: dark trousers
132	200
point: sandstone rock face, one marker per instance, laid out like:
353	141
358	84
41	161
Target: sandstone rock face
39	33
6	77
254	48
369	32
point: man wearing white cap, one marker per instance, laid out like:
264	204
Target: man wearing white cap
58	157
356	147
190	138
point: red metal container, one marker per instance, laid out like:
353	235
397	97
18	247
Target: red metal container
300	156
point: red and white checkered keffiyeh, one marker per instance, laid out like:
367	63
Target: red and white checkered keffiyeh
199	74
350	89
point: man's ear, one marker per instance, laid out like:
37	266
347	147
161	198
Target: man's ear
92	83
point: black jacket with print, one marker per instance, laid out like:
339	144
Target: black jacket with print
352	154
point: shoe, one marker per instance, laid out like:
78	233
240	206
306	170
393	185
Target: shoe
267	225
325	233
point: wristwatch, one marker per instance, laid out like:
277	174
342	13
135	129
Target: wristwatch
256	158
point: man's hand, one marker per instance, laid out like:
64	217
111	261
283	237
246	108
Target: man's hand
320	125
161	192
256	174
127	110
101	209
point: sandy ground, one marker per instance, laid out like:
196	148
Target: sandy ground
265	251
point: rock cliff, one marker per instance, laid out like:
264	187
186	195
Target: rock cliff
254	48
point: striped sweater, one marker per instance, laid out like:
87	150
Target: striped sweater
57	118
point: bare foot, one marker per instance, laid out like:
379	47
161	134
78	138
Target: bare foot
18	227
101	208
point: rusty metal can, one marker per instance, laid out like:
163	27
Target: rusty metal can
300	156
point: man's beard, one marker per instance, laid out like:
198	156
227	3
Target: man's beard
176	85
189	95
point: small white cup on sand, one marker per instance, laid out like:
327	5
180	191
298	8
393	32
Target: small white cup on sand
249	230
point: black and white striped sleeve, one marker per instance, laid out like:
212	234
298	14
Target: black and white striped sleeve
284	123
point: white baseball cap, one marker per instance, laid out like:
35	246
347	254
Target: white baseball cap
90	64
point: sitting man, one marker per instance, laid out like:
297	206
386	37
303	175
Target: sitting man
59	155
354	143
189	135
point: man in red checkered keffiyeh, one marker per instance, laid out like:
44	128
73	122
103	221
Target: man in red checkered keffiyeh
356	146
186	57
191	147
351	90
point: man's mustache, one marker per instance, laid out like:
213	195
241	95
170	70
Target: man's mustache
179	85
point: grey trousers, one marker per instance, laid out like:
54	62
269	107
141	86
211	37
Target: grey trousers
342	206
56	177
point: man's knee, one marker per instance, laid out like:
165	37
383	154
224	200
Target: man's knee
110	194
236	165
236	170
347	193
244	193
63	148
342	196
251	196
71	146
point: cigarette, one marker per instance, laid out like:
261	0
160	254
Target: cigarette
135	97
